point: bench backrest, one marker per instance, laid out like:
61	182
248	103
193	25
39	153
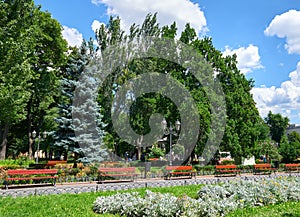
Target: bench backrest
181	168
262	165
231	166
117	169
54	162
31	172
292	165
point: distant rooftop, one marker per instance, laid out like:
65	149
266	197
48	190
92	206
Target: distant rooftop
291	126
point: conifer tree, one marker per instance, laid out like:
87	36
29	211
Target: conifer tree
73	134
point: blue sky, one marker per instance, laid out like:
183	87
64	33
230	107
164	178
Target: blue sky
265	35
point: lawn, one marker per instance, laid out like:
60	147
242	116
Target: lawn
81	205
75	205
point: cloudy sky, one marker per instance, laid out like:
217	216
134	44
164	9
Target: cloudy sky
265	35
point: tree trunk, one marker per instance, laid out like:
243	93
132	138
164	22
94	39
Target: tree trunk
139	153
4	142
30	140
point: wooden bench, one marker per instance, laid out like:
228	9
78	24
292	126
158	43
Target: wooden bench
52	163
292	168
263	169
180	171
32	174
117	173
222	170
48	165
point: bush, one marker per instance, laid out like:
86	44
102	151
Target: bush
227	162
213	200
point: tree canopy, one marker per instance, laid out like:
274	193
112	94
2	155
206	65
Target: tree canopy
38	80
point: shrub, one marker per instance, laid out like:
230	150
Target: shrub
227	162
213	200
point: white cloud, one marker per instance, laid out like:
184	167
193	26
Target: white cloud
284	99
248	58
135	11
287	26
73	36
96	25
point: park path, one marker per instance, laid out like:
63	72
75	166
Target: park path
81	187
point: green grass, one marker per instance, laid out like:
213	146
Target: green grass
72	205
289	209
81	205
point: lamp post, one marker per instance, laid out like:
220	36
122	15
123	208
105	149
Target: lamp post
170	131
38	146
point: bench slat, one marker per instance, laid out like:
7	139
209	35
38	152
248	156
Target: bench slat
31	178
230	169
292	167
117	172
179	170
263	169
31	172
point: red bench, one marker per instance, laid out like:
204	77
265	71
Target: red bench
221	170
117	173
32	174
52	163
180	171
263	169
292	168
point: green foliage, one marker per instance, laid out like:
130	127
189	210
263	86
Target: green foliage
32	51
227	162
21	161
290	147
268	148
156	152
64	135
34	42
277	124
87	121
242	130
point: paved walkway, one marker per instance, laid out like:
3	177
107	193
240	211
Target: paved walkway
76	188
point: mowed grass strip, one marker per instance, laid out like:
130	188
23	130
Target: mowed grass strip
81	205
288	209
75	205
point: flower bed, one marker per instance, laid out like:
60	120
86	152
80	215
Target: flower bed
213	200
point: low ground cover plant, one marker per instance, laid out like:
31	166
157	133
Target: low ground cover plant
212	200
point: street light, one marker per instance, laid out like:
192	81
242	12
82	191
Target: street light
170	131
38	146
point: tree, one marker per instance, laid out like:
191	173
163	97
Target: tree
87	120
32	52
48	56
290	147
278	125
269	149
243	122
65	135
16	47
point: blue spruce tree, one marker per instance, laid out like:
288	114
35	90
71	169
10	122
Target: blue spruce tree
70	137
